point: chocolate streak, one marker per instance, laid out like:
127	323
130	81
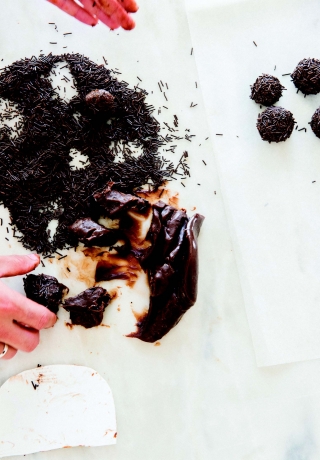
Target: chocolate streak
116	204
91	233
173	284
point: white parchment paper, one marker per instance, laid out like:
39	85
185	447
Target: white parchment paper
271	191
156	389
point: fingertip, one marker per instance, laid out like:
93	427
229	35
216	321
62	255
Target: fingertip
129	25
34	257
52	322
133	9
18	265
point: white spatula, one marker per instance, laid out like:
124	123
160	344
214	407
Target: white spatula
51	407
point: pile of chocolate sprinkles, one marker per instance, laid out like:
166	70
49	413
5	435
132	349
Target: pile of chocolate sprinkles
37	183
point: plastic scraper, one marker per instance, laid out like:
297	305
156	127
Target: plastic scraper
52	407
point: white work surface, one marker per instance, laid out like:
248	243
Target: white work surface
271	191
157	389
266	413
200	395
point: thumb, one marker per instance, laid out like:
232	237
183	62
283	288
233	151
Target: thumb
18	265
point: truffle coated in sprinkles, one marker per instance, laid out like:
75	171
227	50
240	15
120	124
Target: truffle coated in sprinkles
306	76
275	124
266	90
315	122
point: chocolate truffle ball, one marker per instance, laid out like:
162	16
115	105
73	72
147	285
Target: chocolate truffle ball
315	122
306	76
45	290
266	90
275	124
100	100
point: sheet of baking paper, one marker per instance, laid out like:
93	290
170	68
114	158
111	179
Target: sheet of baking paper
271	191
155	388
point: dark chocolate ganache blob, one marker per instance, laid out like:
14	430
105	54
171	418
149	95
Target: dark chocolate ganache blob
87	308
45	290
91	233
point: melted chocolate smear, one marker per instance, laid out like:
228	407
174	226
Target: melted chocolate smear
91	233
168	253
142	254
45	290
113	267
173	274
160	194
132	211
116	204
87	308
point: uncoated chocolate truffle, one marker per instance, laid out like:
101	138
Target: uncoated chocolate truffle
100	100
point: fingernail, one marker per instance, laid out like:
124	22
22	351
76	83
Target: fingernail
33	257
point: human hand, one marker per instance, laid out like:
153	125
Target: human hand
113	13
21	319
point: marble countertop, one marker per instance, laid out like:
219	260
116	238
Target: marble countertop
202	396
261	413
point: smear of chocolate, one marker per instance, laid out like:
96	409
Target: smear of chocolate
45	290
174	280
132	212
142	254
91	233
86	309
114	267
117	204
168	253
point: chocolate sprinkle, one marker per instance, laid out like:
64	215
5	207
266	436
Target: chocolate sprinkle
275	124
37	183
266	90
306	76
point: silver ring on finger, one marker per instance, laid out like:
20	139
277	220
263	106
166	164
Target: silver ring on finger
4	351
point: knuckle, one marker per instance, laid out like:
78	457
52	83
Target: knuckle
44	319
8	309
4	336
31	343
